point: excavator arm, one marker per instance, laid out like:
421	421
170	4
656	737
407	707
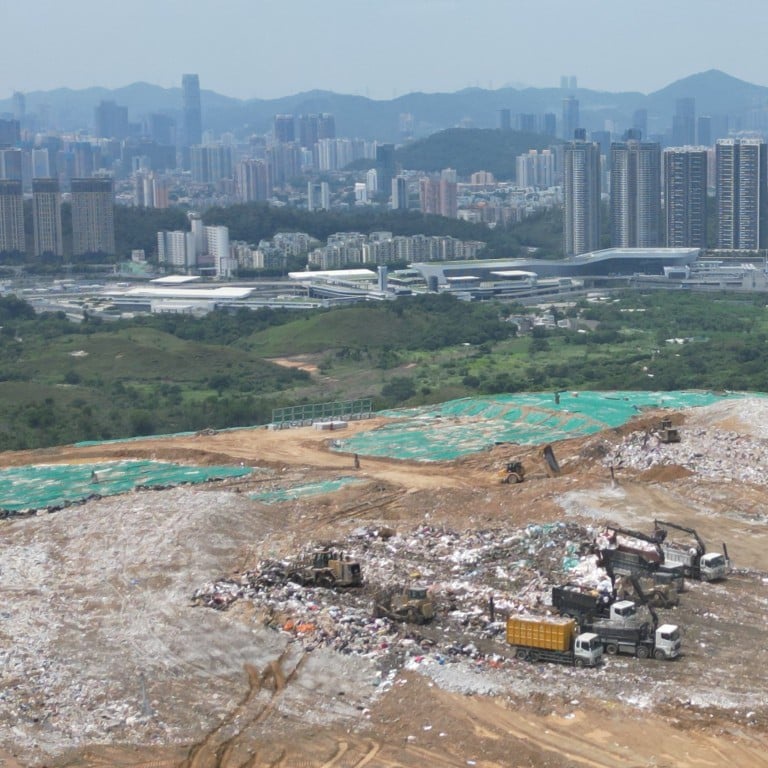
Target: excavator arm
661	525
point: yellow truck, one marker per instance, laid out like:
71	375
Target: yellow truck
549	638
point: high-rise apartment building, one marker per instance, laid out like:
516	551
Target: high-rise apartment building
635	194
685	197
704	131
505	119
11	164
192	111
581	193
535	169
252	180
46	217
449	206
12	239
742	196
399	193
10	133
570	118
93	216
640	122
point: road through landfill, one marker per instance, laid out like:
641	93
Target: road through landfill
149	629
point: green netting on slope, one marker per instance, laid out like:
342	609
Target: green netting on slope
56	485
310	489
448	430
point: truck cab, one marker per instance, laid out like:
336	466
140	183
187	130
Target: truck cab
587	649
623	611
713	566
667	642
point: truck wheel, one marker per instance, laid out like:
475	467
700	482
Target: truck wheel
659	655
521	653
611	649
579	663
643	652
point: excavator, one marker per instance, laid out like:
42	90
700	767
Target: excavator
667	433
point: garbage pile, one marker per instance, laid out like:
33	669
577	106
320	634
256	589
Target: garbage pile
474	578
711	453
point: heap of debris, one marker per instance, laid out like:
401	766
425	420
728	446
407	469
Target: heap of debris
475	579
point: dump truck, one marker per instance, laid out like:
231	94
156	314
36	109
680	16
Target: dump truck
582	603
625	632
694	559
547	638
643	640
327	568
412	605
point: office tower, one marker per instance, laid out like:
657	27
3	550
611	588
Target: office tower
685	197
19	106
570	117
526	123
161	128
12	238
312	128
635	194
581	194
110	121
11	164
46	217
326	126
385	166
603	138
742	196
252	181
449	206
563	82
640	122
684	123
704	131
505	119
191	110
284	129
93	216
549	124
10	133
400	194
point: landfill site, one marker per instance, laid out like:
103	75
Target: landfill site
567	581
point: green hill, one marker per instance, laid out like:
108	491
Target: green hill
469	150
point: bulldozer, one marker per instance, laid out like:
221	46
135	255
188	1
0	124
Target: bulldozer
412	605
328	568
667	433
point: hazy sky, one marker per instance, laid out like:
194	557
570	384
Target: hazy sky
378	48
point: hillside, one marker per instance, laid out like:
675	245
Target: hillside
356	116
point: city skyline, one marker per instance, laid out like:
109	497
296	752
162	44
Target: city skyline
596	43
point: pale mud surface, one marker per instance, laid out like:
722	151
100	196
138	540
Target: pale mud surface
105	662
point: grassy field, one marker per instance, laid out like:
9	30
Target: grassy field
61	383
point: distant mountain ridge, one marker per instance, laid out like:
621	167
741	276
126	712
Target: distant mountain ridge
715	92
